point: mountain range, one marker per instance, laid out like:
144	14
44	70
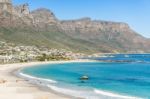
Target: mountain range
42	28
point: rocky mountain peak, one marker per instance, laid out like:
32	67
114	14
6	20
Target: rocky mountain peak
42	10
43	15
84	19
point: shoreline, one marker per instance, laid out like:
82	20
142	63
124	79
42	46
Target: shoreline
41	91
12	86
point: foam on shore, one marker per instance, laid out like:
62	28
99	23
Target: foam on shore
75	93
114	95
36	78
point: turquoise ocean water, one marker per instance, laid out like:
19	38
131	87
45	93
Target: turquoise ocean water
109	80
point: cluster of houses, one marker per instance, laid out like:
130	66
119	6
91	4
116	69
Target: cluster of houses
11	53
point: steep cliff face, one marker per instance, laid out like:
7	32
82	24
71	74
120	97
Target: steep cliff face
82	35
44	16
5	8
116	36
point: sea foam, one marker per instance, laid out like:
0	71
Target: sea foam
114	95
74	92
36	78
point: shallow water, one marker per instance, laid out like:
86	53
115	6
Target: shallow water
115	80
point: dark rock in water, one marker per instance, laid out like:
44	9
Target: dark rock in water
84	78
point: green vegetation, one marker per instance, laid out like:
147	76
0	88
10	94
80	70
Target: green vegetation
51	38
45	57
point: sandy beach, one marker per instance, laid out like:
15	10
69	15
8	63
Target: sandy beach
12	87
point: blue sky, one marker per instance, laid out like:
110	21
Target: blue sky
134	12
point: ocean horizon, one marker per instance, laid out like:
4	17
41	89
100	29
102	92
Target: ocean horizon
107	80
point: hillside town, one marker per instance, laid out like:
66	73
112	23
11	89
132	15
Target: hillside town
12	53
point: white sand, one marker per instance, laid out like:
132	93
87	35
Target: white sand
21	89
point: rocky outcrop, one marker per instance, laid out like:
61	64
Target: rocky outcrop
5	12
21	10
42	18
45	16
5	8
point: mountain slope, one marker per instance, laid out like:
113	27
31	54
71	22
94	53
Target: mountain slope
117	36
42	28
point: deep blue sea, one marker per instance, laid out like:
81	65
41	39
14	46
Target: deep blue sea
108	80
